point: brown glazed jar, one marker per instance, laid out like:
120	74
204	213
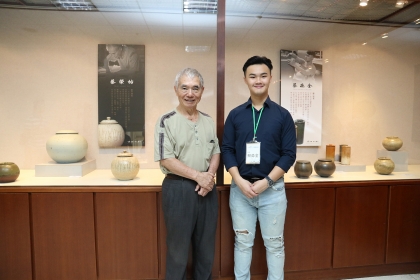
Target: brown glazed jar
9	172
303	168
324	167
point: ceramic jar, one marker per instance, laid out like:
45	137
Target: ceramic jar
384	165
300	131
324	167
330	152
303	168
125	166
9	172
392	143
67	146
110	134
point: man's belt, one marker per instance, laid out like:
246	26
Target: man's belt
177	177
252	180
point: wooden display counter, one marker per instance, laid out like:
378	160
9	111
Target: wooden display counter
353	224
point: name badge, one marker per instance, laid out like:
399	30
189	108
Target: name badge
253	152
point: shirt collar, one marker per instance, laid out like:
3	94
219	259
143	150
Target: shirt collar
266	102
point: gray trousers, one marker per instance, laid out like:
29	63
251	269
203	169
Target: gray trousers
189	219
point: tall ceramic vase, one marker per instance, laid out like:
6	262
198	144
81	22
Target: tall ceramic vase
67	146
110	134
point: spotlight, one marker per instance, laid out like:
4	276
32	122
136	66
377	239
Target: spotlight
400	3
363	3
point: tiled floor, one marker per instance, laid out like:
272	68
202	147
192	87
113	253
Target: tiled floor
393	277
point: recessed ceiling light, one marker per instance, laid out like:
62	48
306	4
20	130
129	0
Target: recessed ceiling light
363	3
200	6
197	48
364	44
78	5
400	3
385	35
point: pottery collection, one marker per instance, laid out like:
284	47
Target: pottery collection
384	165
110	134
125	166
303	168
324	167
9	172
67	146
392	143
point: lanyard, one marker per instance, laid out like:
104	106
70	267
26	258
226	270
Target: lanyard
253	118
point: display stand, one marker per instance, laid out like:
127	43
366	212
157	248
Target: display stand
349	167
53	169
400	159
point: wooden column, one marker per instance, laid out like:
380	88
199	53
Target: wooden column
220	117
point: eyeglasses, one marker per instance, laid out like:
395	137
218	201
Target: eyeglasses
194	89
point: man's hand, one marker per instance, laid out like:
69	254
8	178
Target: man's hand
246	188
201	191
259	186
205	180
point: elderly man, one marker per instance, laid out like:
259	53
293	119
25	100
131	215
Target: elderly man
188	152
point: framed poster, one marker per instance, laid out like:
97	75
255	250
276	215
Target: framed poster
121	89
301	93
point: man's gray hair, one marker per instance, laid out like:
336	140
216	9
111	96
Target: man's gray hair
190	73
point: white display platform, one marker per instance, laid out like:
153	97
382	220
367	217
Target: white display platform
53	169
349	167
400	159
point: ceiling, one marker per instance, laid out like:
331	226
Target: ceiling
142	21
349	11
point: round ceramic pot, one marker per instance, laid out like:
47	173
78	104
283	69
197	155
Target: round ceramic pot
384	165
125	166
67	146
110	134
9	172
392	143
324	167
303	168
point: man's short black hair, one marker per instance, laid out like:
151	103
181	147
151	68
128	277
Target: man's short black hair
258	60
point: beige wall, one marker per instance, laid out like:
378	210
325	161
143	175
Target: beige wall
48	82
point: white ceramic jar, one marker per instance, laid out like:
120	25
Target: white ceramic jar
125	166
110	134
67	146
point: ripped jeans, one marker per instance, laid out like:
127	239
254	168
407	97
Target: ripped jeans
270	209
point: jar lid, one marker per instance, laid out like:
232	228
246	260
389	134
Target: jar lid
303	161
66	132
108	121
324	160
125	154
299	121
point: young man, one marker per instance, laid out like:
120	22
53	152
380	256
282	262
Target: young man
259	146
187	149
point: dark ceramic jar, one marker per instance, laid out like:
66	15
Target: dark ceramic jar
324	167
303	168
9	172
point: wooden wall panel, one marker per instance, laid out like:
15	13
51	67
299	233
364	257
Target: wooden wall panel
309	228
127	241
63	236
15	240
360	226
404	225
